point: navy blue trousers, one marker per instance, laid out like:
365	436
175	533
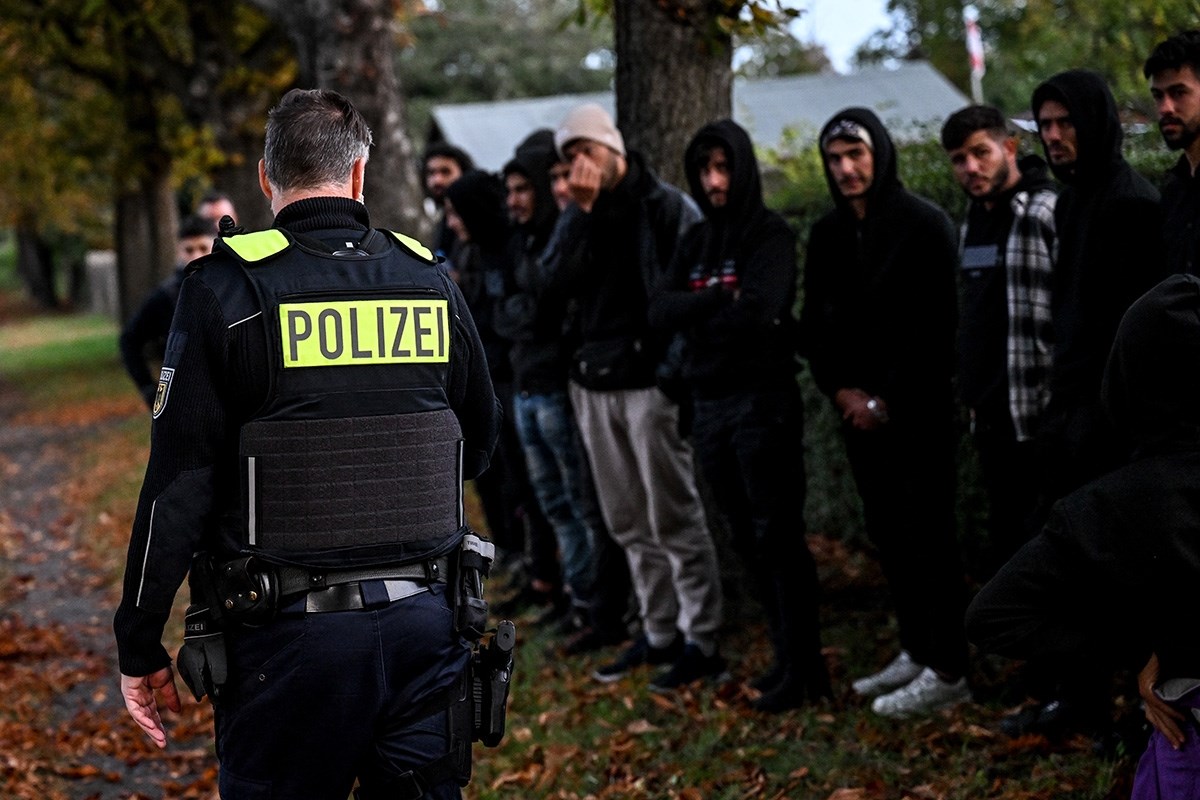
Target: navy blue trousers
317	700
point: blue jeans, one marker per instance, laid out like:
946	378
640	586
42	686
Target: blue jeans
557	469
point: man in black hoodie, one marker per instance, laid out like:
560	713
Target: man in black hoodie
1005	332
1110	251
878	329
731	294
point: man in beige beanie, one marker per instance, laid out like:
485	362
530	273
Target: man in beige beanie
611	247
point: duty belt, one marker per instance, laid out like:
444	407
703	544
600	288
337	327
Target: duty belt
348	590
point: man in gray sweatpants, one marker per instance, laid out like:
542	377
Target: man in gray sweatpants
610	248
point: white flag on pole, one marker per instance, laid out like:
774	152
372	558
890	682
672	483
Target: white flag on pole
974	40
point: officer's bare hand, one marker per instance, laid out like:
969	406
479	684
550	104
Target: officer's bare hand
142	705
584	181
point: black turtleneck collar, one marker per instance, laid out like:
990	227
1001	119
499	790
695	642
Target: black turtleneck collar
323	214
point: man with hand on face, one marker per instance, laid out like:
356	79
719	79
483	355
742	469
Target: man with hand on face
611	248
1175	86
878	329
1005	331
731	296
543	341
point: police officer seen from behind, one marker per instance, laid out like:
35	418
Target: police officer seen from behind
323	397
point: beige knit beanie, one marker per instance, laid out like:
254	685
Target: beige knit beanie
589	121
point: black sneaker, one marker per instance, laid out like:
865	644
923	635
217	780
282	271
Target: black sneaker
638	653
589	640
795	691
692	665
769	679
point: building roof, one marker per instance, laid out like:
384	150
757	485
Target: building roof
908	98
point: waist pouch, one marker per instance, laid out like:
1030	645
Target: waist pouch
615	364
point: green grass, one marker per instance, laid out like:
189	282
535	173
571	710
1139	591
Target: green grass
9	282
570	737
62	358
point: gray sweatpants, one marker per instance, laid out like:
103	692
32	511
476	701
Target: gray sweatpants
647	493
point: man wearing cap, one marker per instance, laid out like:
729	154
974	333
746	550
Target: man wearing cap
542	345
612	246
878	328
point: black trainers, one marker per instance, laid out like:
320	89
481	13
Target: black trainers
589	640
638	653
795	691
769	679
692	665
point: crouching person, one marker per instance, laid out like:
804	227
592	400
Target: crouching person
1112	575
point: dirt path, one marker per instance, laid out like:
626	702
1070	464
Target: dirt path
64	732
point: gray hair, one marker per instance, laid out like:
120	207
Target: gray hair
313	138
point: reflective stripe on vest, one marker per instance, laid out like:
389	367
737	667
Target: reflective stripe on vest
256	246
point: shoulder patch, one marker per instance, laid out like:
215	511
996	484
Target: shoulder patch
163	392
257	246
416	248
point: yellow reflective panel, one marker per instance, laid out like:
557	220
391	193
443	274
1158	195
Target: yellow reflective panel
414	245
259	245
345	333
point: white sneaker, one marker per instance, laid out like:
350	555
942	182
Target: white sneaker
896	674
925	694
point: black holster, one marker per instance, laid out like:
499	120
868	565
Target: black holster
491	677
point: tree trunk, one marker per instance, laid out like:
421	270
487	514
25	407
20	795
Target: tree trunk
35	263
146	224
349	46
673	75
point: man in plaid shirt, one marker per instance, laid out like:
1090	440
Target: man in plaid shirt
1005	333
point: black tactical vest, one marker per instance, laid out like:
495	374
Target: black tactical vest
355	457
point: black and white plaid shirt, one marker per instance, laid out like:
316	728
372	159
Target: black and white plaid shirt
1029	257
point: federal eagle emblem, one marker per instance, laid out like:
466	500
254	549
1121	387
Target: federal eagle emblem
164	390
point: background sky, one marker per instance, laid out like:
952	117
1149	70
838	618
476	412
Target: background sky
839	25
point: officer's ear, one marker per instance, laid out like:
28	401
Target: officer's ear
262	180
358	173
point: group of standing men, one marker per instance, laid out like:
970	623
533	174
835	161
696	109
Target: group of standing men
659	297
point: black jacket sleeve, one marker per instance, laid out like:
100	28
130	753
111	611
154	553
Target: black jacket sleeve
176	503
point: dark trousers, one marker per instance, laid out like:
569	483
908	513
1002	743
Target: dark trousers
514	518
750	448
316	700
1010	481
905	475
